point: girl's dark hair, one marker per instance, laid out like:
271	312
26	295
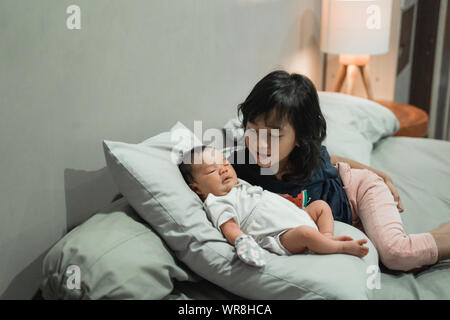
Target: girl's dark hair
293	97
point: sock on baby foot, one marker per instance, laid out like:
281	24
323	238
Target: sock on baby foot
249	251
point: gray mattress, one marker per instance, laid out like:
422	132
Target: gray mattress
420	169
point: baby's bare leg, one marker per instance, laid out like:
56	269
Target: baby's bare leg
299	239
321	214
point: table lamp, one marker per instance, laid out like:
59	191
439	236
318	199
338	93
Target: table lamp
355	29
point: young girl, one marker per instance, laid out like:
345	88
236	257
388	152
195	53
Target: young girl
357	194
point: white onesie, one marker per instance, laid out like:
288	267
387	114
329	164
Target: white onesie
262	214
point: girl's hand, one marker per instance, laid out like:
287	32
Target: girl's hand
393	190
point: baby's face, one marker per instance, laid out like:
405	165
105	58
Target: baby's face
214	175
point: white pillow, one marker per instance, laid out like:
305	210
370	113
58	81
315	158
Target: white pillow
116	257
354	124
151	182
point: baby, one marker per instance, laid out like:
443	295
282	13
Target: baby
251	218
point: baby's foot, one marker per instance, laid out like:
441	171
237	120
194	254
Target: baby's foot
355	248
249	251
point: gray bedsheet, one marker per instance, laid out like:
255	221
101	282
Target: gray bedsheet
420	169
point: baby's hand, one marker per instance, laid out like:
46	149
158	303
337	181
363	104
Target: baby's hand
249	251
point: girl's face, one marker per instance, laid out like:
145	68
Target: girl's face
260	146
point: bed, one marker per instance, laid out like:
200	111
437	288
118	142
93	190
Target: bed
357	129
421	172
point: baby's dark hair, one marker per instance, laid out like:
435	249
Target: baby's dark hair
187	161
293	97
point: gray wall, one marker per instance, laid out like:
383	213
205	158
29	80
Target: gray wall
439	127
403	80
132	71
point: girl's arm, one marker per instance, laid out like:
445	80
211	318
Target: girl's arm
387	179
355	165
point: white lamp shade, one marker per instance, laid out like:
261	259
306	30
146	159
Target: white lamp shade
356	27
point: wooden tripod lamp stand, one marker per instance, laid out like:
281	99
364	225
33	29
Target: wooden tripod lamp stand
355	29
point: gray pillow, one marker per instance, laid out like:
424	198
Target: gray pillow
148	176
115	255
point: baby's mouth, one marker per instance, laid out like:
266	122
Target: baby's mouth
227	179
